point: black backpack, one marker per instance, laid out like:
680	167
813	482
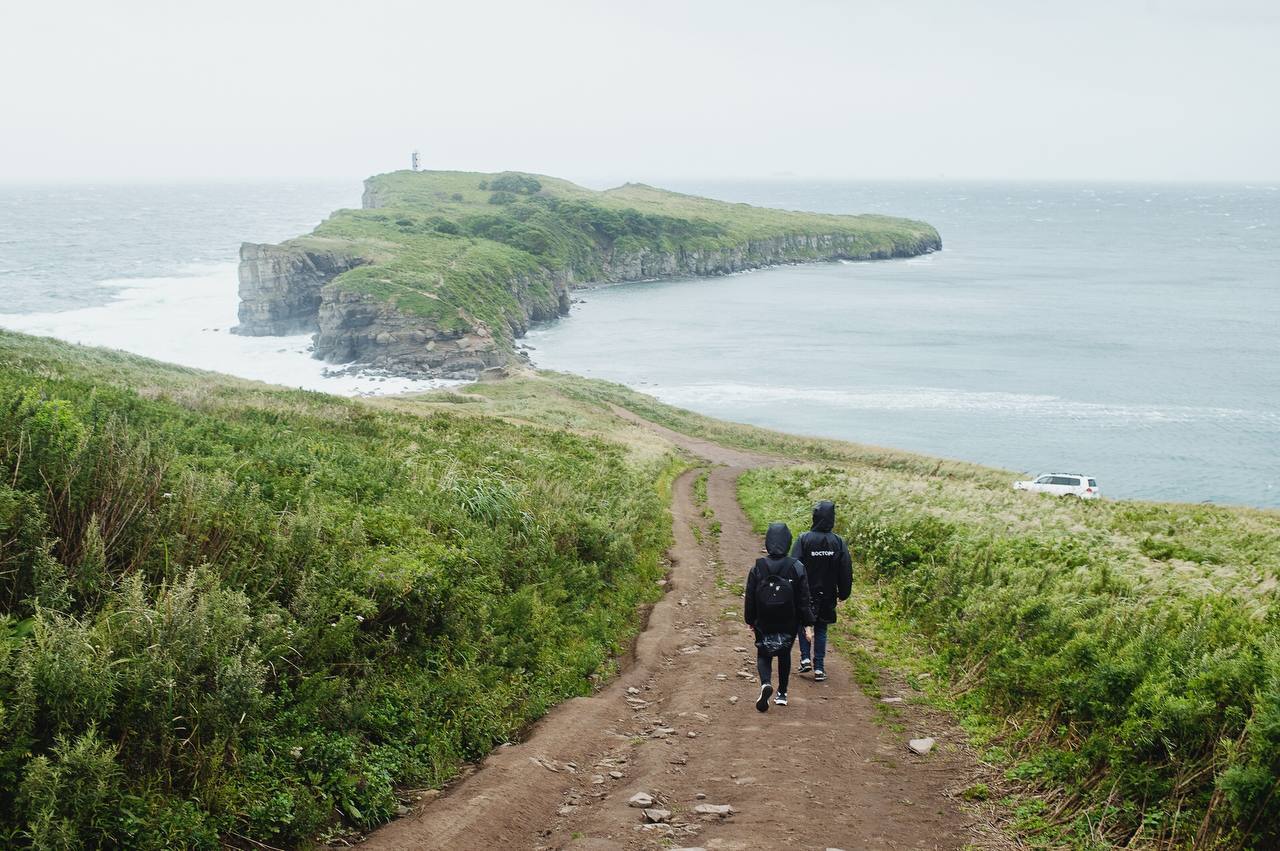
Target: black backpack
775	597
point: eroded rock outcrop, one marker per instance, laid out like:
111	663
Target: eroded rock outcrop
357	328
280	286
354	327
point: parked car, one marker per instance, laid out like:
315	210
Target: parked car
1062	484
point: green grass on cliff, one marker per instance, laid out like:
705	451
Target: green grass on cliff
236	614
469	250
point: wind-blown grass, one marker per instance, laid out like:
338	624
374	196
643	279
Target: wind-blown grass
234	613
1131	648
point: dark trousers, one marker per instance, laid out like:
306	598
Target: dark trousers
764	667
819	646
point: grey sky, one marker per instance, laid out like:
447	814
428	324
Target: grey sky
642	90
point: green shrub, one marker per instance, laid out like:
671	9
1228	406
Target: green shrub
72	796
514	182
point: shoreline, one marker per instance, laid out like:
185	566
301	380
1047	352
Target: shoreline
369	383
354	381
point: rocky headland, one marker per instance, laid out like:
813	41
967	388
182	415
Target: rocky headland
440	272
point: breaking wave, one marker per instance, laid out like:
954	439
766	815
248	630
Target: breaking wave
187	320
1024	405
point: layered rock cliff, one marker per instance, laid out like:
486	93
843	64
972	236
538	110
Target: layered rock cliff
359	328
428	282
646	265
280	286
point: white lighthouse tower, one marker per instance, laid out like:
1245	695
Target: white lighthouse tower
415	160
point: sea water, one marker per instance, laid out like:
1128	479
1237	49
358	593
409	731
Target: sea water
1126	332
1130	333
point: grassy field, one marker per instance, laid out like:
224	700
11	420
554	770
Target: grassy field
466	249
230	613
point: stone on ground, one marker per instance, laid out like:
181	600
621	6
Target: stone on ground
643	800
921	746
713	810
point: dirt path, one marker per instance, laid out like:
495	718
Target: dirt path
680	725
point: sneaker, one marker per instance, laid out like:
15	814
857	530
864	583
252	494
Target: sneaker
762	704
819	675
781	699
805	666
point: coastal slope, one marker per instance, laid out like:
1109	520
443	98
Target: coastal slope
244	616
440	272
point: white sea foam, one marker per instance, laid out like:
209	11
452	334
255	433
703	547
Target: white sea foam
187	320
1025	405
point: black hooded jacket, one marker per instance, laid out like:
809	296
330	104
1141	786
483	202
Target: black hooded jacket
776	542
826	561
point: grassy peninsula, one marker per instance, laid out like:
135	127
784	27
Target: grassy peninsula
456	234
441	271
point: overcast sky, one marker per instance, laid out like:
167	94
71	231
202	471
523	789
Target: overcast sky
641	89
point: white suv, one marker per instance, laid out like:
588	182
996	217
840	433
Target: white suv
1062	484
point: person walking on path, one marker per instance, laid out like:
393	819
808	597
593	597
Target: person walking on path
830	572
776	606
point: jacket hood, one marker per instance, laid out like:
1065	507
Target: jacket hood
824	516
777	540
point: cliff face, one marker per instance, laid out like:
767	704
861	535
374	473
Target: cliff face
358	328
355	328
284	290
623	266
280	287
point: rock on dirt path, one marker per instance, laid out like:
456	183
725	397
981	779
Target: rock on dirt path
665	756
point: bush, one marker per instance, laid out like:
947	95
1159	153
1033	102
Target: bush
516	183
439	224
72	796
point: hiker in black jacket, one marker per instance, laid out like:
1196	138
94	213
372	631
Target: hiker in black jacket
776	606
830	572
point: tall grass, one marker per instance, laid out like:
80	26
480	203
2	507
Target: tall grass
1131	648
233	614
